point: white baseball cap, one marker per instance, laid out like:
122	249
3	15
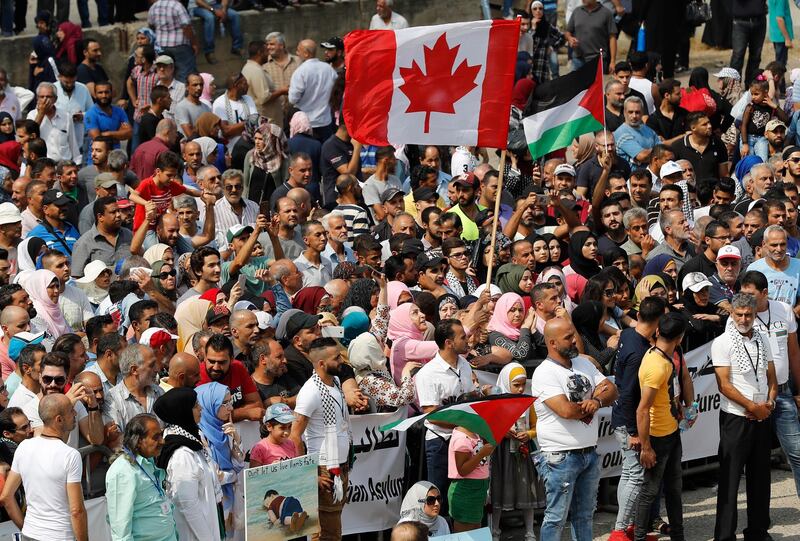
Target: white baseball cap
156	337
695	281
729	251
91	271
564	168
670	168
9	214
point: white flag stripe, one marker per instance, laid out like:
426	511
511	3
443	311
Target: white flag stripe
539	123
472	40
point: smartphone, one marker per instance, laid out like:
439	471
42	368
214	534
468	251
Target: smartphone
241	280
332	332
263	208
541	200
143	270
373	269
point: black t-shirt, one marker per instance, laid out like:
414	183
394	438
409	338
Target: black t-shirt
335	153
668	127
89	75
279	192
614	121
589	172
300	369
706	165
268	391
147	126
632	347
699	263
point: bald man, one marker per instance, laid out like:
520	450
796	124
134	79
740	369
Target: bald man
193	161
13	320
93	384
302	199
337	289
310	89
18	195
50	470
244	335
184	371
570	389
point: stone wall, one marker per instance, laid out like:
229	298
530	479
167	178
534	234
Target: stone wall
315	21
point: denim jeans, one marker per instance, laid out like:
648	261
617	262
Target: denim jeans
759	146
7	15
570	481
436	460
668	452
787	428
748	34
185	61
210	25
630	482
507	8
103	18
781	52
486	10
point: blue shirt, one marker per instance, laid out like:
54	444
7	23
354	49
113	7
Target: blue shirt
189	183
97	119
444	179
632	347
783	285
70	236
631	141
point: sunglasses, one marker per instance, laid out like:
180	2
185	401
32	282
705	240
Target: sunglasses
233	187
609	292
460	254
165	275
432	500
794	160
58	380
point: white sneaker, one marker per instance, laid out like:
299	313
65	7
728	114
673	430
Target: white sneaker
530	536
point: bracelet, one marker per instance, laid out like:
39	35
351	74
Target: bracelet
600	402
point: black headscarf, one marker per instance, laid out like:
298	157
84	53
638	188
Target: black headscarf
699	78
5	137
586	318
360	294
175	408
580	264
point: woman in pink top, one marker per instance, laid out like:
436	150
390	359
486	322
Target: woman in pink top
468	470
406	328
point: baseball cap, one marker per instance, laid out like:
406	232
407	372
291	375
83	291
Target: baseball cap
670	168
564	168
264	320
298	321
164	59
22	339
156	337
333	43
483	216
124	203
412	247
9	214
279	412
431	258
54	197
774	124
91	271
425	194
728	73
245	305
729	251
216	313
389	194
104	180
469	180
237	230
695	281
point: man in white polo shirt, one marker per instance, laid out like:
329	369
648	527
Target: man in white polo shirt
570	390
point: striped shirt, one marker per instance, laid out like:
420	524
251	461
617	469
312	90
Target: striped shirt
145	81
168	17
356	220
225	218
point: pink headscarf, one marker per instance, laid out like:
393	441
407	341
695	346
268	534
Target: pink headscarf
400	324
394	289
45	308
207	79
499	322
299	124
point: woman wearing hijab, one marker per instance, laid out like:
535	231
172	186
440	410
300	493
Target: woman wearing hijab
582	261
423	503
69	38
588	318
209	150
706	320
209	88
513	278
480	258
312	300
510	327
362	293
514	479
545	37
448	306
398	293
407	325
369	363
662	263
583	149
10	157
192	482
191	318
264	163
164	280
95	282
354	324
43	287
160	252
649	286
28	253
216	424
557	252
7	127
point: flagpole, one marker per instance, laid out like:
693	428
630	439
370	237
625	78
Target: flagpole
605	130
495	218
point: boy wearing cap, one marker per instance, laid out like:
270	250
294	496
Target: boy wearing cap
54	229
381	181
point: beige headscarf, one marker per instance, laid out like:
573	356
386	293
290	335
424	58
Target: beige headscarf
156	253
191	318
366	355
585	149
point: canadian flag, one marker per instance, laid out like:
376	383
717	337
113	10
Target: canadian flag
444	85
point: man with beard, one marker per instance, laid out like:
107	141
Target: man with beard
669	118
570	391
29	365
220	366
301	169
189	109
702	148
106	119
15	295
52	379
320	414
107	240
639	240
73	98
280	67
791	158
104	159
467	208
138	389
716	236
244	332
233	107
334	54
430	224
590	171
54	229
289	235
336	250
676	243
528	217
611	218
615	96
431	268
168	229
192	162
205	264
184	371
745	371
90	71
316	270
775	132
635	141
782	271
270	366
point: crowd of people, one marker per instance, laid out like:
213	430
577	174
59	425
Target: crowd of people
175	260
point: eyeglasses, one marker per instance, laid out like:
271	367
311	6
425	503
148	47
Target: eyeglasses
609	292
58	380
165	275
460	254
726	237
431	500
233	187
795	159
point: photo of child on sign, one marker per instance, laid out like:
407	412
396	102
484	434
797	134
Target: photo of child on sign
281	500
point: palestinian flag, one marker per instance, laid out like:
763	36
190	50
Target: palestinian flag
564	108
490	417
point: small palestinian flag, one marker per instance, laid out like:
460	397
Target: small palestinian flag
565	108
490	417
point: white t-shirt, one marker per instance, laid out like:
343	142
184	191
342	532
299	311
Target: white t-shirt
437	381
781	322
396	22
31	411
21	396
238	112
552	379
462	161
46	465
309	404
747	384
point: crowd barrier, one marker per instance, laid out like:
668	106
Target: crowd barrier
376	481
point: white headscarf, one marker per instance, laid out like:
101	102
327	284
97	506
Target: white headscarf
412	508
207	147
509	373
366	355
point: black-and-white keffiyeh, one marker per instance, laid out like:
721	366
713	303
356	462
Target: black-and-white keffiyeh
744	359
232	118
455	286
329	452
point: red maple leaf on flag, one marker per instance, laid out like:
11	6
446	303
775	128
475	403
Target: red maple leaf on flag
440	88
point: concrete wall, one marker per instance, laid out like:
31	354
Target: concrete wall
316	21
